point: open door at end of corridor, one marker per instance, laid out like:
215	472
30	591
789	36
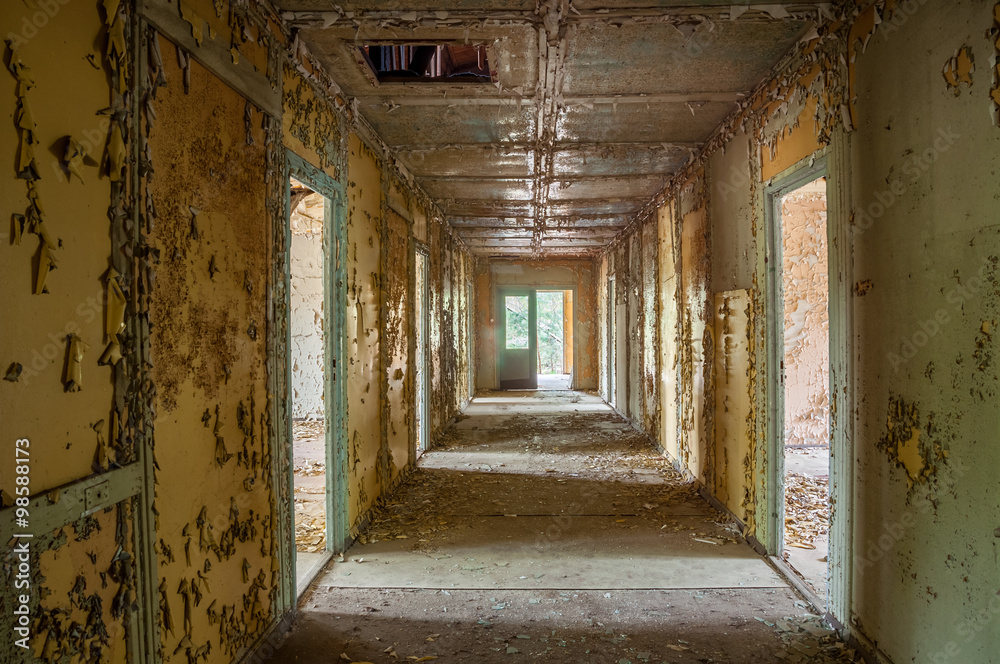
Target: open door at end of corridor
517	362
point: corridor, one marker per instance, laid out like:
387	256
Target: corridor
611	331
544	527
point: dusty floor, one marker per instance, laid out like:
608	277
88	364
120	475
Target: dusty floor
543	528
554	381
309	474
807	514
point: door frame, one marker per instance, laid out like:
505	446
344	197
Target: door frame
470	326
612	335
502	292
422	351
828	163
335	394
498	293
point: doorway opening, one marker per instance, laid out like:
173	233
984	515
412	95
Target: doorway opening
612	345
555	339
470	343
517	364
804	402
535	349
422	322
308	364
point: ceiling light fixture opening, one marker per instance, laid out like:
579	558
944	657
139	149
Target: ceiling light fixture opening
422	62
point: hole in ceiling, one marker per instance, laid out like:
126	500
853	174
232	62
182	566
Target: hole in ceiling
428	62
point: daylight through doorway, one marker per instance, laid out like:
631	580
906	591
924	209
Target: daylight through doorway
806	361
554	330
308	375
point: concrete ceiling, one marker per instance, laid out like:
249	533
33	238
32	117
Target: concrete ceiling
594	104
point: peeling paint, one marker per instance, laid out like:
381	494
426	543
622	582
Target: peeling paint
958	70
909	443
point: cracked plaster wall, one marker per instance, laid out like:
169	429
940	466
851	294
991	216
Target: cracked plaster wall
633	262
926	308
215	539
363	370
307	310
806	317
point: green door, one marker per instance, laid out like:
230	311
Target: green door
517	364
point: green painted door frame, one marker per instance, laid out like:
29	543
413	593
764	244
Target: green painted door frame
829	163
335	394
517	362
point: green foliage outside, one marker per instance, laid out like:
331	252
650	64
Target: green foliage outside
550	332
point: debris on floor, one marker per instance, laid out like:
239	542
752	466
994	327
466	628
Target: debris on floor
808	639
540	529
807	509
309	474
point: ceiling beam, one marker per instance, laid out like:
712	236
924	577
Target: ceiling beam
329	14
557	146
394	97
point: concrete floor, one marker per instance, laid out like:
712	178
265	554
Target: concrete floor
808	460
543	527
553	381
309	475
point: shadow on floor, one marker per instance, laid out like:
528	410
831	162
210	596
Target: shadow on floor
545	527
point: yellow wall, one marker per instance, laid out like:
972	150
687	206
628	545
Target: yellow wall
669	329
733	386
396	291
214	498
695	323
65	428
364	209
64	100
311	128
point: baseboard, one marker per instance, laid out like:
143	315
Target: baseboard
366	519
864	647
269	642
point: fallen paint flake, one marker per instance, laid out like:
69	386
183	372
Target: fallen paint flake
13	372
73	375
774	10
807	509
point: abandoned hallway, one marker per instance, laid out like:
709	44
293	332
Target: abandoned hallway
545	526
586	330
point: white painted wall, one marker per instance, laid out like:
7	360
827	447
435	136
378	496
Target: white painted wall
307	308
